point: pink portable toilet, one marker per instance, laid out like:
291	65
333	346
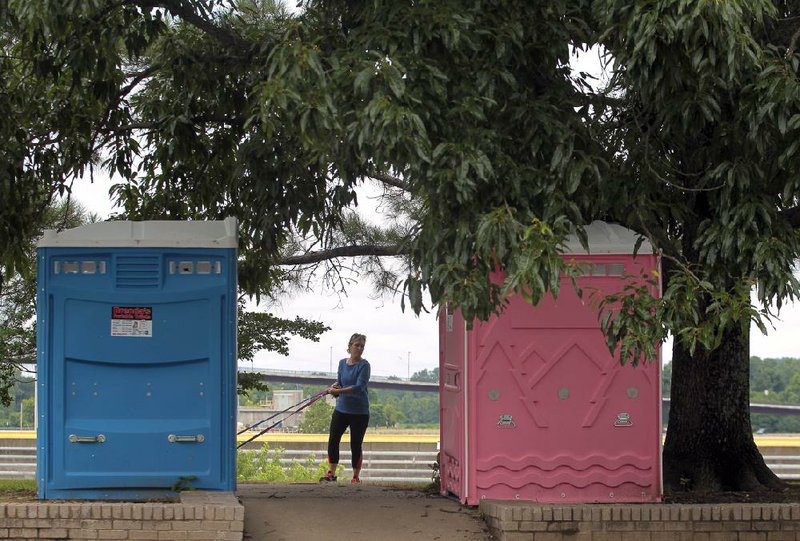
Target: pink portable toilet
533	405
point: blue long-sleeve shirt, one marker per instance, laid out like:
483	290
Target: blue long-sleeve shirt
357	377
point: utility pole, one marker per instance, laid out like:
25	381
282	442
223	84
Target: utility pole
409	366
330	369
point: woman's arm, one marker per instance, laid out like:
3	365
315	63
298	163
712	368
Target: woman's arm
362	380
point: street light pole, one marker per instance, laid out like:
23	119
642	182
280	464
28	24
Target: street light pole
330	369
409	366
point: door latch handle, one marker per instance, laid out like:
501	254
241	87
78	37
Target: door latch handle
172	438
87	439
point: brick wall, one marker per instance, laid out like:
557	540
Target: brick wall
522	521
198	515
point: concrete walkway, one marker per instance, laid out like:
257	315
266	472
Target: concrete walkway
300	511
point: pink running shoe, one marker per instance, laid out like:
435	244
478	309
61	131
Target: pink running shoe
355	481
328	478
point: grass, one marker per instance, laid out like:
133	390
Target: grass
426	488
17	490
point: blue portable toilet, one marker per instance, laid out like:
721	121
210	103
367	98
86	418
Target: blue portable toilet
136	359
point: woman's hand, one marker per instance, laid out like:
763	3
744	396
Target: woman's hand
334	389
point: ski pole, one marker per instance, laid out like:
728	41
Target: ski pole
313	399
242	431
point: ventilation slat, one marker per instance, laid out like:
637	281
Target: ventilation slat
138	271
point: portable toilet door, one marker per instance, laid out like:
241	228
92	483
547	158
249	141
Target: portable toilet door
136	359
533	405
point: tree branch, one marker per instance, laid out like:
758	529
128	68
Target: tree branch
137	78
200	119
180	9
390	180
604	99
21	359
344	251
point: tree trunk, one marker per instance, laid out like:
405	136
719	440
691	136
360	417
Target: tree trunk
709	444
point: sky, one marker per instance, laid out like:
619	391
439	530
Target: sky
398	343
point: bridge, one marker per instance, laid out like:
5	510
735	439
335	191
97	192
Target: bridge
397	384
326	378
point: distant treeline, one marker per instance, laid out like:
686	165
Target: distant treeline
772	381
387	408
20	412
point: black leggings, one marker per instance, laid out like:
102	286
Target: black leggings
358	427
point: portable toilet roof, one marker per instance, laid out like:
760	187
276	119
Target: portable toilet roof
147	234
608	238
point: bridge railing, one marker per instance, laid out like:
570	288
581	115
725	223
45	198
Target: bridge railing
378	466
415	466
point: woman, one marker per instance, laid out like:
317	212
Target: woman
352	407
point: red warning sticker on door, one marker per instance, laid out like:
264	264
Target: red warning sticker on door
132	321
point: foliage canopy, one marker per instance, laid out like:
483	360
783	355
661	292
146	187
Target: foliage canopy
468	111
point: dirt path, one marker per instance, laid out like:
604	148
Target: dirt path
302	511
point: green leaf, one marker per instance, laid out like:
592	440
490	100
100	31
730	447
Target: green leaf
362	80
394	79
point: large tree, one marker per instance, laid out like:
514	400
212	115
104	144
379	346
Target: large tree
492	148
701	116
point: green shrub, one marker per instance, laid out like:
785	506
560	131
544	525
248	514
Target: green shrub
265	465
